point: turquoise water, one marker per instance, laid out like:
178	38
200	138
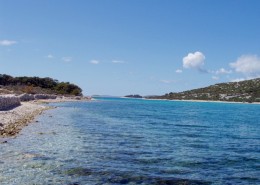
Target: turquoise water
132	141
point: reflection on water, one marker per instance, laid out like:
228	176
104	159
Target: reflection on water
121	141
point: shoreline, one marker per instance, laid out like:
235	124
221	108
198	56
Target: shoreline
14	120
64	99
204	101
201	101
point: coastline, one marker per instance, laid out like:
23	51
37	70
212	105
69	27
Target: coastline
205	101
200	101
14	120
63	99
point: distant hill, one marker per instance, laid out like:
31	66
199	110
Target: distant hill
244	91
133	96
36	85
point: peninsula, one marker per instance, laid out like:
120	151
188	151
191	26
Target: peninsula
21	99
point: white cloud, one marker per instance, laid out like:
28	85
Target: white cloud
7	42
66	59
118	62
215	77
94	62
223	71
178	71
194	60
248	65
50	56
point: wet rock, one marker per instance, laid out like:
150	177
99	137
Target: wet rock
127	179
74	183
124	181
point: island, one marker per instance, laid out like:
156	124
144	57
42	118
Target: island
133	96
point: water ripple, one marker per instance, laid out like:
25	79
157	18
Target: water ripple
124	141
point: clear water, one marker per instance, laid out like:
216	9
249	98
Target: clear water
130	141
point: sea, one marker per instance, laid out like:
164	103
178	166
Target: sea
136	141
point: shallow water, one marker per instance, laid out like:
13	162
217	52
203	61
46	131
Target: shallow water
130	141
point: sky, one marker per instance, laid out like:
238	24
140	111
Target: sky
147	47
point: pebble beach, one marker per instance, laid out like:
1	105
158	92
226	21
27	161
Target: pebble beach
13	120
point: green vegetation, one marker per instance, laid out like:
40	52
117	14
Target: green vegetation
244	91
134	96
35	85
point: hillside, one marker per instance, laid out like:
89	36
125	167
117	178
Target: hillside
36	85
244	91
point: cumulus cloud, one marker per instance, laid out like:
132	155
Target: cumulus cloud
94	62
248	65
7	42
178	71
194	60
66	59
223	71
118	62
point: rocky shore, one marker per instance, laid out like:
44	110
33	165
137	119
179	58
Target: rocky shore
17	112
12	121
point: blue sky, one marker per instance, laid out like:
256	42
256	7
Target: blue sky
120	47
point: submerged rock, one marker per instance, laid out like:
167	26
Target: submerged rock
79	171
